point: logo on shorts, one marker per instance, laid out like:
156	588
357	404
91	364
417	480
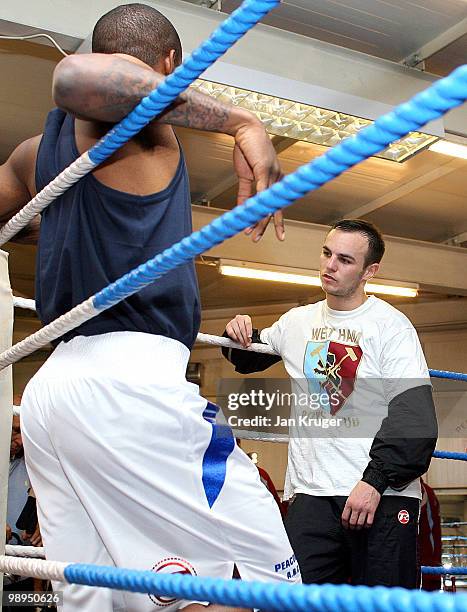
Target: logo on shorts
170	565
403	517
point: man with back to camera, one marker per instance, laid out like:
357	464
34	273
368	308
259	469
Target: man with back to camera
122	453
356	499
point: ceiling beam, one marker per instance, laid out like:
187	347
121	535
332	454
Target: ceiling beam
437	44
456	240
411	261
404	188
280	143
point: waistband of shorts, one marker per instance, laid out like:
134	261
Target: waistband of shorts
125	352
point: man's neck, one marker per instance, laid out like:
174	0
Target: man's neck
87	133
351	302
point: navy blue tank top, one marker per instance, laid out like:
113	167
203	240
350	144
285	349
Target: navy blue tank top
92	235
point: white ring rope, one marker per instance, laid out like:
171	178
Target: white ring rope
71	175
226	342
77	315
19	302
37	568
31	552
259	436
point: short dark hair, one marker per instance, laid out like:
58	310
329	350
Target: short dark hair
371	232
138	30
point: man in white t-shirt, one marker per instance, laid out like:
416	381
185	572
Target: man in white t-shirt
355	483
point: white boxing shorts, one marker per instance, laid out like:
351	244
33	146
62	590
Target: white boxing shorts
130	470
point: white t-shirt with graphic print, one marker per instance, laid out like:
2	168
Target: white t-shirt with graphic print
359	360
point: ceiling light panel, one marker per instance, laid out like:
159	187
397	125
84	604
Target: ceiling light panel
450	148
308	123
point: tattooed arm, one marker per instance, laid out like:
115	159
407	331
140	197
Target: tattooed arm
100	87
103	87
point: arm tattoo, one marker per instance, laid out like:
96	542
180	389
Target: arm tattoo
114	97
109	91
197	111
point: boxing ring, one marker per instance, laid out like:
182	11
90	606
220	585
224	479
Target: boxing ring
439	98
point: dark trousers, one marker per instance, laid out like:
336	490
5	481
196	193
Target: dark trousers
385	554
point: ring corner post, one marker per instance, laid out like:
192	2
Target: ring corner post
6	397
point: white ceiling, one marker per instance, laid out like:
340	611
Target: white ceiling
391	29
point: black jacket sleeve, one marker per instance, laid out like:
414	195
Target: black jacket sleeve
402	448
27	520
246	362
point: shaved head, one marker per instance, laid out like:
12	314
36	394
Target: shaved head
138	30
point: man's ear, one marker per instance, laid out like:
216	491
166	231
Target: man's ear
169	63
370	271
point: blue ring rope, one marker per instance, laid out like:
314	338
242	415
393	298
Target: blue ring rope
450	455
231	30
442	571
449	375
282	597
430	104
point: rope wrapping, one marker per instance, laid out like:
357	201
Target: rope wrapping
46	196
47	570
228	343
19	302
31	552
77	315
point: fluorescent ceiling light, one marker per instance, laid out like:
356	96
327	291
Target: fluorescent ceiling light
449	148
269	275
298	276
399	290
313	124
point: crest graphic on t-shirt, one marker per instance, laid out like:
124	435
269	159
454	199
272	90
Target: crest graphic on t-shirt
331	368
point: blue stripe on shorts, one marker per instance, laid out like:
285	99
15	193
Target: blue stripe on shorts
215	458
